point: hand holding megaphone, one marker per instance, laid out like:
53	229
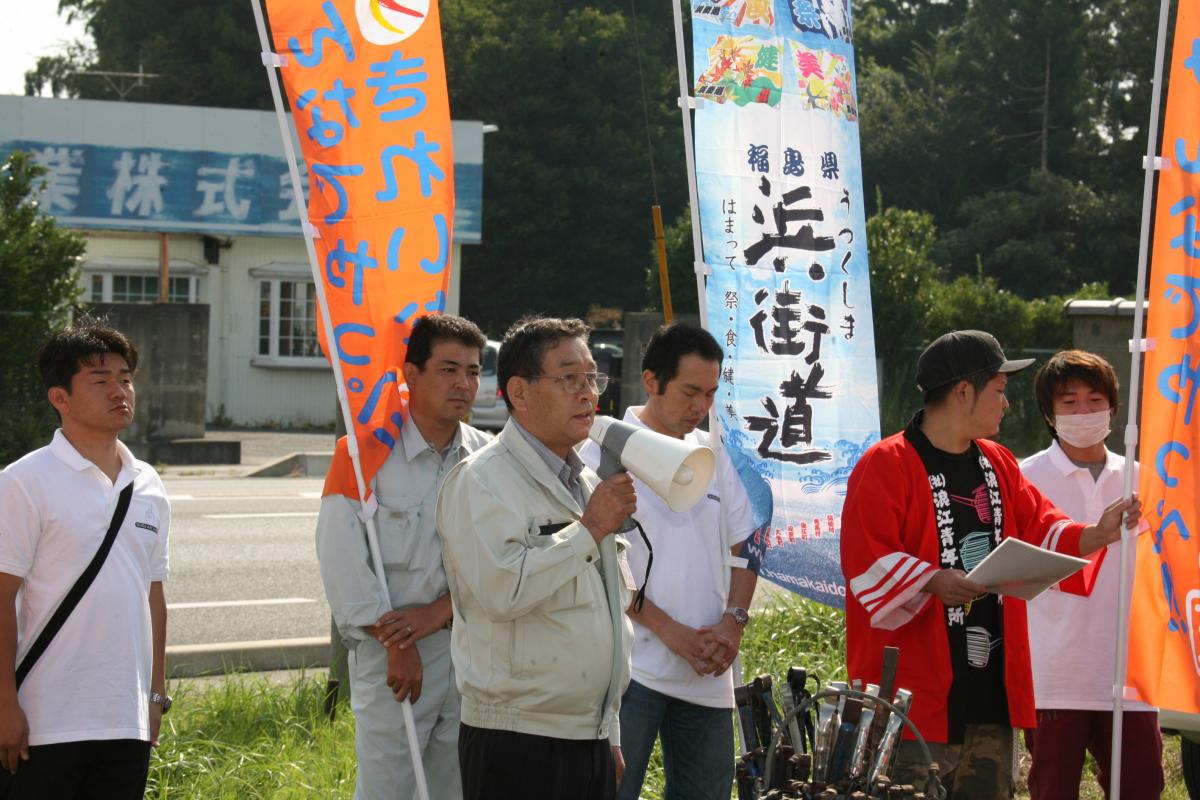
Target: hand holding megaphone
612	502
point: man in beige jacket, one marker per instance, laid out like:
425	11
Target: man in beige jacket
521	522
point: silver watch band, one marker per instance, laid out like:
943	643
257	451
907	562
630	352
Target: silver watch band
740	615
162	700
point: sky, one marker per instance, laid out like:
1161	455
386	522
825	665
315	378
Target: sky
35	30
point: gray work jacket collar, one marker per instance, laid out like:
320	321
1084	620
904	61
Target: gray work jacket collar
415	443
515	441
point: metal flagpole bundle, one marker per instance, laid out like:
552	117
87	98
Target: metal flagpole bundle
271	60
1151	165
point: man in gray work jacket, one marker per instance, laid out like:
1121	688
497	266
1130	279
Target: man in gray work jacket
522	522
399	646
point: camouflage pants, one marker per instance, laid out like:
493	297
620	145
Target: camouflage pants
978	769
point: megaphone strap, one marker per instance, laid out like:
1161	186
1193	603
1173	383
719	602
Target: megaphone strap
639	599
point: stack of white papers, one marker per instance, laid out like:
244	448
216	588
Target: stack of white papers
1023	570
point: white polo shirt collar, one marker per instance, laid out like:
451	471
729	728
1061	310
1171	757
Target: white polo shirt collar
1063	463
65	452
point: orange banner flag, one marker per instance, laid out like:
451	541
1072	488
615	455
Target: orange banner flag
1164	640
367	85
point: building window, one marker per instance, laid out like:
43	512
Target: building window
111	287
287	319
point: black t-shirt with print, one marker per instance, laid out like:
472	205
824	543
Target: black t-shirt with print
976	634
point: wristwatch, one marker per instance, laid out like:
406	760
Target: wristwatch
162	699
740	615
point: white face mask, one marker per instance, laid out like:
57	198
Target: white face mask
1083	430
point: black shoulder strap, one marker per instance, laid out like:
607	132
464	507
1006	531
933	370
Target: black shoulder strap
77	591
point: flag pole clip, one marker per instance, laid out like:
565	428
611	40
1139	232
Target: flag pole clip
1159	164
1131	436
1141	345
701	268
690	102
274	59
310	230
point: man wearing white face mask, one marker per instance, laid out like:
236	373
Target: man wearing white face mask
1073	638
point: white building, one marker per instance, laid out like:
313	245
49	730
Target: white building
212	184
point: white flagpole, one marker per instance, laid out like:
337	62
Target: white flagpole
714	420
685	111
367	514
1151	165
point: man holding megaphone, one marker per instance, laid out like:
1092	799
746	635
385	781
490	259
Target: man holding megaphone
536	631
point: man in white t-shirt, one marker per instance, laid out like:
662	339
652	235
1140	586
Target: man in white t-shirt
688	630
1073	638
83	721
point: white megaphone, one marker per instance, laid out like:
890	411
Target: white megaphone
677	470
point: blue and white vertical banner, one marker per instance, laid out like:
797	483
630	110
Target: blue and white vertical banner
779	179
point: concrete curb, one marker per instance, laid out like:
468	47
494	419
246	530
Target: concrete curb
196	660
293	465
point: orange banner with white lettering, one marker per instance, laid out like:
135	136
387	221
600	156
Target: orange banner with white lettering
367	85
1164	643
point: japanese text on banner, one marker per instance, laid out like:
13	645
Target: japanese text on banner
788	294
367	86
1164	642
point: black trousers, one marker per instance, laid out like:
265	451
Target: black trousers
504	765
93	770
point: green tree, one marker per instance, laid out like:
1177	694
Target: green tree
888	31
1022	63
38	263
1018	125
568	181
914	302
681	270
207	54
1119	68
967	104
1025	328
1046	236
567	190
904	278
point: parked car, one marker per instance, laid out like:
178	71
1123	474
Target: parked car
608	359
489	411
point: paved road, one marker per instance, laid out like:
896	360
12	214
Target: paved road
242	560
243	569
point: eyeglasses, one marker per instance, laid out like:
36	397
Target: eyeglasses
573	382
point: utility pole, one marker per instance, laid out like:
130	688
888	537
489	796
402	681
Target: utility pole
118	81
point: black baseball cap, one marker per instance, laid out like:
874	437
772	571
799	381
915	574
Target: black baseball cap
958	354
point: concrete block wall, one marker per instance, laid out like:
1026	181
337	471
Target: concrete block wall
1104	327
172	344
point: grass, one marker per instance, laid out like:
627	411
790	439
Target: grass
794	632
245	739
249	739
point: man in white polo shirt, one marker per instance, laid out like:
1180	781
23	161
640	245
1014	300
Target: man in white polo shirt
689	628
83	721
1072	638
